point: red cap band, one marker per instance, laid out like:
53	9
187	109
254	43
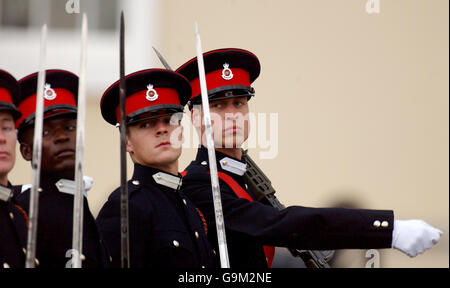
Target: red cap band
139	100
5	96
28	106
214	80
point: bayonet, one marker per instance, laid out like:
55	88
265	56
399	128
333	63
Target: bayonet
36	157
161	58
77	235
124	235
218	211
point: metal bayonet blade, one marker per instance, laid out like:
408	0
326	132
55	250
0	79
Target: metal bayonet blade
36	157
77	235
161	58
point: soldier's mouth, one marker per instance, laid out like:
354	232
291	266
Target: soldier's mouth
233	129
162	144
4	154
65	153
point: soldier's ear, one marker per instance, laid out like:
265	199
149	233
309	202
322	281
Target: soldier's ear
196	117
129	145
26	150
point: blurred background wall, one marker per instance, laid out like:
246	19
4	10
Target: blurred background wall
361	98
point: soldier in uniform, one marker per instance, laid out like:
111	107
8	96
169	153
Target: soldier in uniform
13	219
165	228
55	217
250	224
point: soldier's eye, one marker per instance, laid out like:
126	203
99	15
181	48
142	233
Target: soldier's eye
145	125
7	129
71	128
175	121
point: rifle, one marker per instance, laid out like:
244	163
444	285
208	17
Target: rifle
260	185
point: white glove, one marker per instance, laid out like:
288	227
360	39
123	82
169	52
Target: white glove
87	183
413	237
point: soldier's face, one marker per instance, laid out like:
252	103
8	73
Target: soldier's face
155	142
8	138
58	146
229	120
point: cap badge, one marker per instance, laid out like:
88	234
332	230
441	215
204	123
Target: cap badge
49	93
226	72
151	93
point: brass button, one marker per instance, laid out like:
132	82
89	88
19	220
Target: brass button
5	265
175	243
196	234
224	163
36	261
384	224
158	176
376	223
204	163
24	251
11	215
135	182
184	201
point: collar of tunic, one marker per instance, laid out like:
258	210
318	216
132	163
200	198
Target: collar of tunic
142	175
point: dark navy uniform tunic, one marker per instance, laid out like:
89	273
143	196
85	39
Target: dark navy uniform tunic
165	229
250	225
55	228
13	233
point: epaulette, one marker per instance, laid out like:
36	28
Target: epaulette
133	186
196	169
